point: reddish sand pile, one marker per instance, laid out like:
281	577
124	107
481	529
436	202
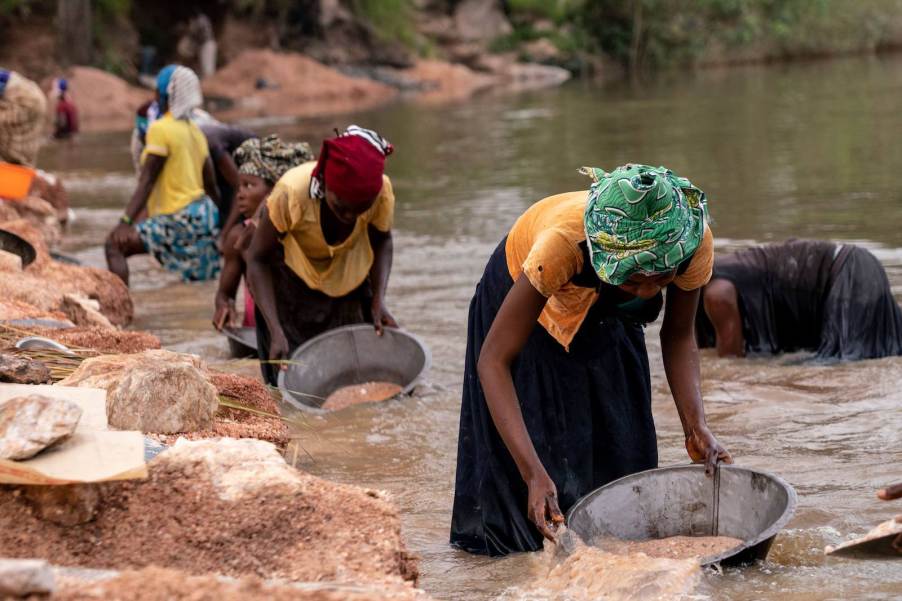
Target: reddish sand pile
355	394
301	87
237	423
13	309
105	102
102	340
156	584
227	506
37	213
44	283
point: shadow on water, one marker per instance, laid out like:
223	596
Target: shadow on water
790	151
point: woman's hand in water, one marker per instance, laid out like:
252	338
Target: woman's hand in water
381	317
278	349
704	448
542	507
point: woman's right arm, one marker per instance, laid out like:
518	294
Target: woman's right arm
259	259
512	327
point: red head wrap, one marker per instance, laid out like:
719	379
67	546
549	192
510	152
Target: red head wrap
351	165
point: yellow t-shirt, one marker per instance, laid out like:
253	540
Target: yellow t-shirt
182	180
544	244
333	270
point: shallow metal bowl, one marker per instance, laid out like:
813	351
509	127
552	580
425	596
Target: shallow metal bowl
17	245
352	355
242	341
679	501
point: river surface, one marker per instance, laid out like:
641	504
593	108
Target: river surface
810	150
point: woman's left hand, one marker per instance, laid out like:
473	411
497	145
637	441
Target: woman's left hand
381	317
704	448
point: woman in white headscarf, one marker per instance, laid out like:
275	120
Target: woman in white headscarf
176	190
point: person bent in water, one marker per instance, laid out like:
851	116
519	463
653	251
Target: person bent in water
260	164
322	252
801	295
557	392
176	190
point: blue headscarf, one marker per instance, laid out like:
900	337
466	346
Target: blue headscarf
163	78
4	77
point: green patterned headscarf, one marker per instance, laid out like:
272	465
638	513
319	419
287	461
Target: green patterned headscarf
270	157
641	219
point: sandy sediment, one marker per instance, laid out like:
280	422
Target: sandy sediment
298	86
100	340
355	394
239	423
228	507
672	547
46	282
158	584
13	309
105	102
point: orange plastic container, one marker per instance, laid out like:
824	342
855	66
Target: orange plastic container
15	181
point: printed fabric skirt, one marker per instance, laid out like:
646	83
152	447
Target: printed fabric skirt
587	411
185	242
861	317
305	313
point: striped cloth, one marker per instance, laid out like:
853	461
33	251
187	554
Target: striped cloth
23	108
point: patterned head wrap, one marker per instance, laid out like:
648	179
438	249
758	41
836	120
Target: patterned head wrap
179	90
270	157
351	165
641	219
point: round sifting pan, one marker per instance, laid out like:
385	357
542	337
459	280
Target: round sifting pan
242	341
672	501
352	355
17	245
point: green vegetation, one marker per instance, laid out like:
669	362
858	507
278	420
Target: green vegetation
667	32
391	19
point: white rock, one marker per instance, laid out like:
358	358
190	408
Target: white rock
21	577
162	398
30	424
237	467
155	391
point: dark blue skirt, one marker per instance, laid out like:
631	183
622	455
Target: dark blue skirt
587	411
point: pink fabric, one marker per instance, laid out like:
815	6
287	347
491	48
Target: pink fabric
249	319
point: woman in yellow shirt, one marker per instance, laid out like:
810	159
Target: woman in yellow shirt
176	190
557	392
322	252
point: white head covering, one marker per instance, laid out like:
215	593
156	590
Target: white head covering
183	93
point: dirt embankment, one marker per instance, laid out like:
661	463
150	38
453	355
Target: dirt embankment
231	507
105	102
156	584
262	83
50	286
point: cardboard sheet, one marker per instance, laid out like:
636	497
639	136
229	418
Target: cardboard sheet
92	454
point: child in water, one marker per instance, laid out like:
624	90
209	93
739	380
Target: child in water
260	165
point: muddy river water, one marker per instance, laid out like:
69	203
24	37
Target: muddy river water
809	150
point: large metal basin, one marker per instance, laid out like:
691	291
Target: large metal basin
674	501
352	355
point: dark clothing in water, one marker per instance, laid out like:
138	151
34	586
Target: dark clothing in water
305	313
808	295
222	138
587	411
